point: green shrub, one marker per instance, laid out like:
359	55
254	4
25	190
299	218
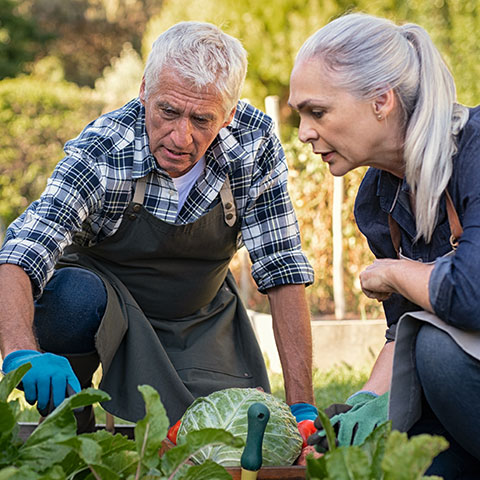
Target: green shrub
37	116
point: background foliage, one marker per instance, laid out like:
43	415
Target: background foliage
65	61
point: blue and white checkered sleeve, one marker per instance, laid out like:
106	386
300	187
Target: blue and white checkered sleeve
270	229
38	237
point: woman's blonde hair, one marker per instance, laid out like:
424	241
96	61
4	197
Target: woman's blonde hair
371	55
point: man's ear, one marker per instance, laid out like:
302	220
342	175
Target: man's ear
142	91
230	117
384	104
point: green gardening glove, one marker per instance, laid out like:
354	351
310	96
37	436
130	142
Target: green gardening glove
354	420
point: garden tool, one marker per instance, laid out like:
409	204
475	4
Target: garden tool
251	460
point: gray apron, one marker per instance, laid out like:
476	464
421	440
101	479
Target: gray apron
174	319
405	403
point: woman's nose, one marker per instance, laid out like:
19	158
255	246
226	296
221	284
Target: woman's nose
306	133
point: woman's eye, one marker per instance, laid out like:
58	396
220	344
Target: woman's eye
318	113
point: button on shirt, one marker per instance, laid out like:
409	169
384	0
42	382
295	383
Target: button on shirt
91	187
454	281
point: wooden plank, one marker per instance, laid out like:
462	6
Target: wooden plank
295	472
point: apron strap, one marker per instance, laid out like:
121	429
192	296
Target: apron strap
228	203
226	196
140	190
455	226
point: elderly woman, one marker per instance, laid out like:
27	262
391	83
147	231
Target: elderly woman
371	93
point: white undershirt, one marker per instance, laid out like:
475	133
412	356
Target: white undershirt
184	183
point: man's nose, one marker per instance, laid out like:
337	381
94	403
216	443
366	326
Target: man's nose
182	132
306	133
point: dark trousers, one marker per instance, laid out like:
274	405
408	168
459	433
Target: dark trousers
450	379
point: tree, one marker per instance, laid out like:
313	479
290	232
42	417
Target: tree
37	116
88	33
20	38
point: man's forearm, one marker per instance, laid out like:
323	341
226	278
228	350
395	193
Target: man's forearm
16	310
293	336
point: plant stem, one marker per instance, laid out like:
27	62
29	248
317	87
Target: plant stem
94	473
144	444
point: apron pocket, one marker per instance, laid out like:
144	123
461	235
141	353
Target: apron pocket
201	380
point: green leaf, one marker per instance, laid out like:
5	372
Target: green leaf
374	446
8	430
26	473
118	453
11	379
152	429
7	473
327	426
407	459
61	421
348	463
193	442
111	443
100	471
124	463
44	446
86	448
208	469
316	468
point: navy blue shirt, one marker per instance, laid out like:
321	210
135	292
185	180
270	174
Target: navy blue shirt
454	286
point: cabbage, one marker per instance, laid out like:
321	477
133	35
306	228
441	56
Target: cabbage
227	409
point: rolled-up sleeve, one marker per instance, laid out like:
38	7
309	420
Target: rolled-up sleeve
36	239
269	228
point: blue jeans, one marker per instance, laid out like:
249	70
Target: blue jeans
450	379
69	312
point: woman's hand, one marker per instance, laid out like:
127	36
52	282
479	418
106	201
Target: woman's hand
375	279
407	277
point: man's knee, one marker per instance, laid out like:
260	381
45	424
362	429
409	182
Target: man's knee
69	312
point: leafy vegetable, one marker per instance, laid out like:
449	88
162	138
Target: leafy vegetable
227	409
385	455
55	452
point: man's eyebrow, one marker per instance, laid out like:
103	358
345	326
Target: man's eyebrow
164	104
205	116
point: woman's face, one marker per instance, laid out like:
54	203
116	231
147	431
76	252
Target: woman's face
344	130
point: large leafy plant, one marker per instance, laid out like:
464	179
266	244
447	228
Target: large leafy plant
385	455
55	452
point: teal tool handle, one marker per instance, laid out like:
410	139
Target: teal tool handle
258	415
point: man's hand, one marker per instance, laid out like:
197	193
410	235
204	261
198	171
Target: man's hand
305	414
48	382
352	421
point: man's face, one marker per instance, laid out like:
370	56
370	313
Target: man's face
181	121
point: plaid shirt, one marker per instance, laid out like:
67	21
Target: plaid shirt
91	187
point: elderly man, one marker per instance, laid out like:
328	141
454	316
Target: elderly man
125	257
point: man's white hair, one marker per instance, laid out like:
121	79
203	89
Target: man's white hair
202	54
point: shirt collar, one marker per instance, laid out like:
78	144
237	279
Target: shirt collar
143	160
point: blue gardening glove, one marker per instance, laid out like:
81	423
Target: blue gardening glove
354	420
48	382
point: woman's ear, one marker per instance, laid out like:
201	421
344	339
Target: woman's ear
384	104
